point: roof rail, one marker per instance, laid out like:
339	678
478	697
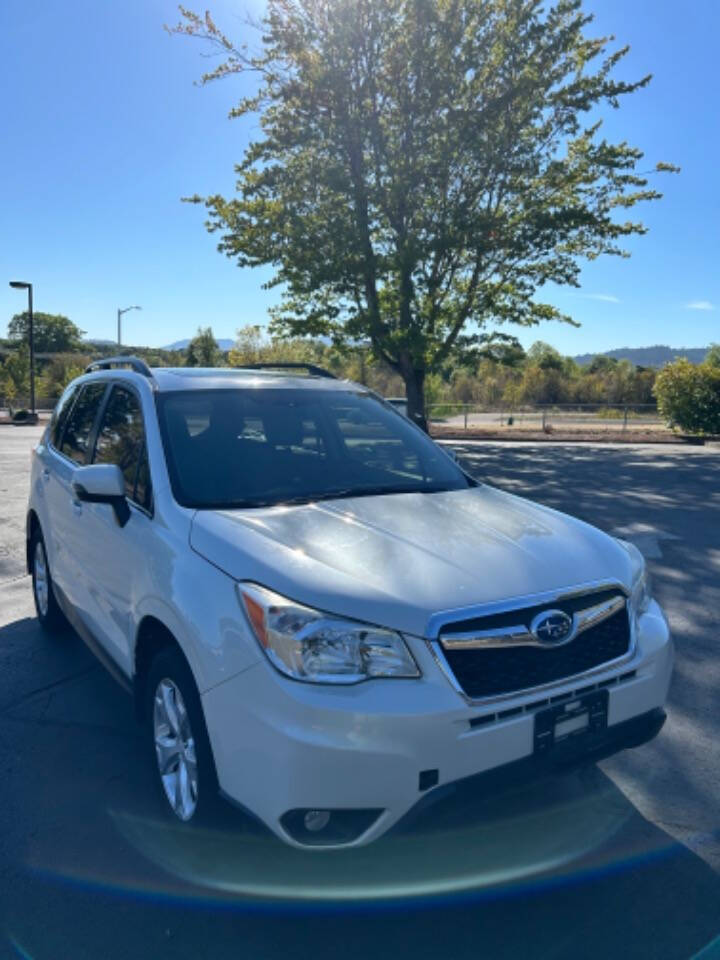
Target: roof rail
108	363
311	368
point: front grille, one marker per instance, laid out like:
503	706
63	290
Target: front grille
497	670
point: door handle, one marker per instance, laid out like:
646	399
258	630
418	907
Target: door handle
46	474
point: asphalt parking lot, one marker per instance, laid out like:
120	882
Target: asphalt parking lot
623	858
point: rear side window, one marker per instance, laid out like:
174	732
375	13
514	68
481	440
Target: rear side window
60	415
121	440
79	425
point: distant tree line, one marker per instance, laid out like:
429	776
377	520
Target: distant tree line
61	354
499	374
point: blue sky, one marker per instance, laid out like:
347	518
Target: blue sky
103	131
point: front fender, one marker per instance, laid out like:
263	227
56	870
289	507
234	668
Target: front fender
201	609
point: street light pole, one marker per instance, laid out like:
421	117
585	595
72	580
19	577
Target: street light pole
21	285
119	318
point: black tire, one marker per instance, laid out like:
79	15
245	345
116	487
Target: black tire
51	617
170	665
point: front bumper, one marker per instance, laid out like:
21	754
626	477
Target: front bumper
283	746
621	736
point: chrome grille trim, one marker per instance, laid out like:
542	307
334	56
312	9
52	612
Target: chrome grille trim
447	617
527	694
591	616
520	635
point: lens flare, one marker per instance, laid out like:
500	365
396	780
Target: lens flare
559	831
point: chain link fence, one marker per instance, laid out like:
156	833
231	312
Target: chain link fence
548	418
468	417
43	405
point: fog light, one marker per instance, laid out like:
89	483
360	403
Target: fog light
316	820
321	828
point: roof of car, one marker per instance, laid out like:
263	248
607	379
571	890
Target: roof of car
211	378
166	379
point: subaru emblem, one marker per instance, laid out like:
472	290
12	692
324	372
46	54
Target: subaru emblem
552	627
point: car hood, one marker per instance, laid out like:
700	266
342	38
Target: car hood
397	560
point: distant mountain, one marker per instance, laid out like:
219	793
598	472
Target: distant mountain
656	356
223	345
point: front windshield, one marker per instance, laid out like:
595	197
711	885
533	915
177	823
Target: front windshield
259	447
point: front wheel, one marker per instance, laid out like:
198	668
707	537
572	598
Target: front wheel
179	739
46	606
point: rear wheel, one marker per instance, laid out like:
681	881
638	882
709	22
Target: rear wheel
46	606
179	740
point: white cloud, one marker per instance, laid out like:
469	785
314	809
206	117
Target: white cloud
605	297
699	305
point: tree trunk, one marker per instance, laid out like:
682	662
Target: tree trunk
415	394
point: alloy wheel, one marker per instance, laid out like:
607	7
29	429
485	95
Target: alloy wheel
175	749
41	583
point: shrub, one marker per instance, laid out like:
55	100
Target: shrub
688	396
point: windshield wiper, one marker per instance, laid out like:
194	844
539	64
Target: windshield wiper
341	494
379	491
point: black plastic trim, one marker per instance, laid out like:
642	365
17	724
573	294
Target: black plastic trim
119	504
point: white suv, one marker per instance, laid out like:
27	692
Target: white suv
320	615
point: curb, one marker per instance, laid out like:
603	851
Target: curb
565	438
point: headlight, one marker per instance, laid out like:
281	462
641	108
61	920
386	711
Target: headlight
308	645
640	593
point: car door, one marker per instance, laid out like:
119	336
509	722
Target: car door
69	448
115	559
46	484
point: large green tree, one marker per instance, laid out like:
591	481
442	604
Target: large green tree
52	333
424	167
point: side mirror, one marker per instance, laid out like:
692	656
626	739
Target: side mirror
102	483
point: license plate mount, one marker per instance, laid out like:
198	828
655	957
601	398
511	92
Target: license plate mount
570	722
